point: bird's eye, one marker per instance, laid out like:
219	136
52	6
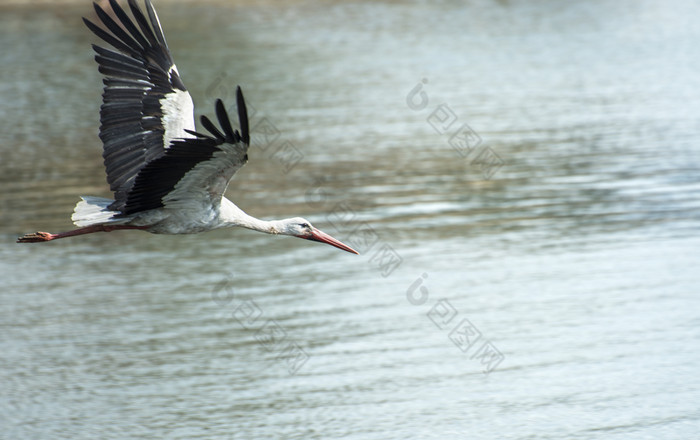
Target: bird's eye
304	225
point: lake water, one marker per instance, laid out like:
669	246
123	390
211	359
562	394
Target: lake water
532	274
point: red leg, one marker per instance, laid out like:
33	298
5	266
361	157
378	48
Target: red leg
39	237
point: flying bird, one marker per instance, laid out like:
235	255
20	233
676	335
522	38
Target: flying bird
167	178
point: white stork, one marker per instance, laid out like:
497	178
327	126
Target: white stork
166	177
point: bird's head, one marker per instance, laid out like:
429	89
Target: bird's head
302	228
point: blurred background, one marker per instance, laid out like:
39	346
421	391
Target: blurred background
522	180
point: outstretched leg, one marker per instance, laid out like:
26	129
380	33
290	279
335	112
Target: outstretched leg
39	237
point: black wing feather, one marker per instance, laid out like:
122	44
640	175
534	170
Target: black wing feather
242	116
128	24
156	24
117	30
199	135
143	23
107	37
212	128
222	116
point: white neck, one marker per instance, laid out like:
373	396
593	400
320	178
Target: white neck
232	215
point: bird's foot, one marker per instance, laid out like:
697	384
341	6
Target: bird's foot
36	237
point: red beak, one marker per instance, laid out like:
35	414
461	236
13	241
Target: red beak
322	237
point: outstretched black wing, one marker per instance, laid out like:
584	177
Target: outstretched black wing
194	172
145	104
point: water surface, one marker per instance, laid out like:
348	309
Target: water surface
570	247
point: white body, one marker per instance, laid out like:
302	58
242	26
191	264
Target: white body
181	220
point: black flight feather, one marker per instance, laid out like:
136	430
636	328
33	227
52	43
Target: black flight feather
222	116
117	30
156	24
128	24
143	23
108	38
211	128
242	116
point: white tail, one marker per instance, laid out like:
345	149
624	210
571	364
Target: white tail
93	211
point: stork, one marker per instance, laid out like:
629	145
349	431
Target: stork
166	177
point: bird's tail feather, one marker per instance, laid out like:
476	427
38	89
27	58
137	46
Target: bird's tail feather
94	210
